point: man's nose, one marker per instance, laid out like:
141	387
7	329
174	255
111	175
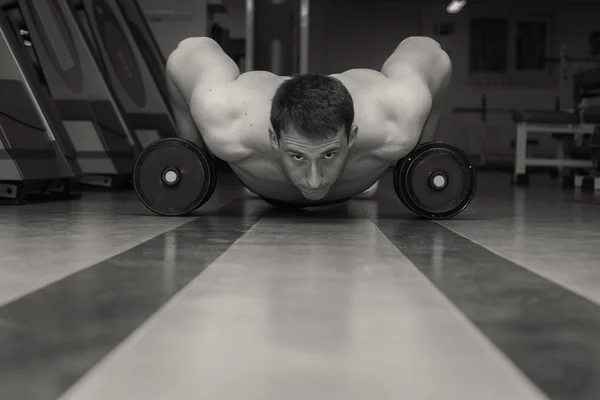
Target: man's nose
314	177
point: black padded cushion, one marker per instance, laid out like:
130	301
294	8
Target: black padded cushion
543	116
591	115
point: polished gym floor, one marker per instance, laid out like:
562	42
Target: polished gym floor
100	299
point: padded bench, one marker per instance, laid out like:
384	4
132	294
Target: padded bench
591	115
569	123
547	117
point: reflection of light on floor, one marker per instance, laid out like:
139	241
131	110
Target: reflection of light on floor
170	248
252	206
170	260
520	225
437	255
369	208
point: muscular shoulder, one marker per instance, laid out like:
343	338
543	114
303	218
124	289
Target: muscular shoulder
390	113
227	102
397	99
231	115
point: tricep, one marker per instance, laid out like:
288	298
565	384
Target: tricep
404	108
219	121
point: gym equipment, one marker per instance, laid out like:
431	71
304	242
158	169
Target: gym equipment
36	155
105	146
144	101
566	121
588	148
567	82
550	122
436	180
147	44
483	110
174	177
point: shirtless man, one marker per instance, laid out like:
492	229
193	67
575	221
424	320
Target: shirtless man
309	139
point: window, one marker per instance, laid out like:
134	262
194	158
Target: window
531	45
489	45
510	50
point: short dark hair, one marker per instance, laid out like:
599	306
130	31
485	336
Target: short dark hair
317	105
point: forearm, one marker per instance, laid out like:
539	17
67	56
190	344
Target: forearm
431	124
186	127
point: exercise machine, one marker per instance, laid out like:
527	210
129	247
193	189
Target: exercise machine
105	146
146	42
36	154
576	122
130	62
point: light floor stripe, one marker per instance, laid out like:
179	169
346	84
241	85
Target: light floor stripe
307	308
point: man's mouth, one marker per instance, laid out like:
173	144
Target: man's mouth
314	194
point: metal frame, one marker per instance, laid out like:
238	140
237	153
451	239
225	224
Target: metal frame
524	128
304	36
249	35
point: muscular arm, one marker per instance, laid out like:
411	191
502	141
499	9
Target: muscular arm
420	58
420	71
195	69
183	118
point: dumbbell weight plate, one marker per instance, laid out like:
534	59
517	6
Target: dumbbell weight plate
173	176
436	180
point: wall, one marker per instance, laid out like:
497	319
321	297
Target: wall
358	34
234	19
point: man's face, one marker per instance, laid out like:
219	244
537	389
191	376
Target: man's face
313	165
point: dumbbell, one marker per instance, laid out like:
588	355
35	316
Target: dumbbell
174	177
436	180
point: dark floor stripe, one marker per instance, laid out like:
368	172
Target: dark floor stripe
50	338
584	200
550	333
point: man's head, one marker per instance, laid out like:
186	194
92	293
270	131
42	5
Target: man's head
312	119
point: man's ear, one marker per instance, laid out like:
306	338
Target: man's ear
352	135
274	139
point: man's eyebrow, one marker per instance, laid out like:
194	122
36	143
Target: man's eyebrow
295	151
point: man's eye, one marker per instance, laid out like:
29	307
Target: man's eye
297	157
329	156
